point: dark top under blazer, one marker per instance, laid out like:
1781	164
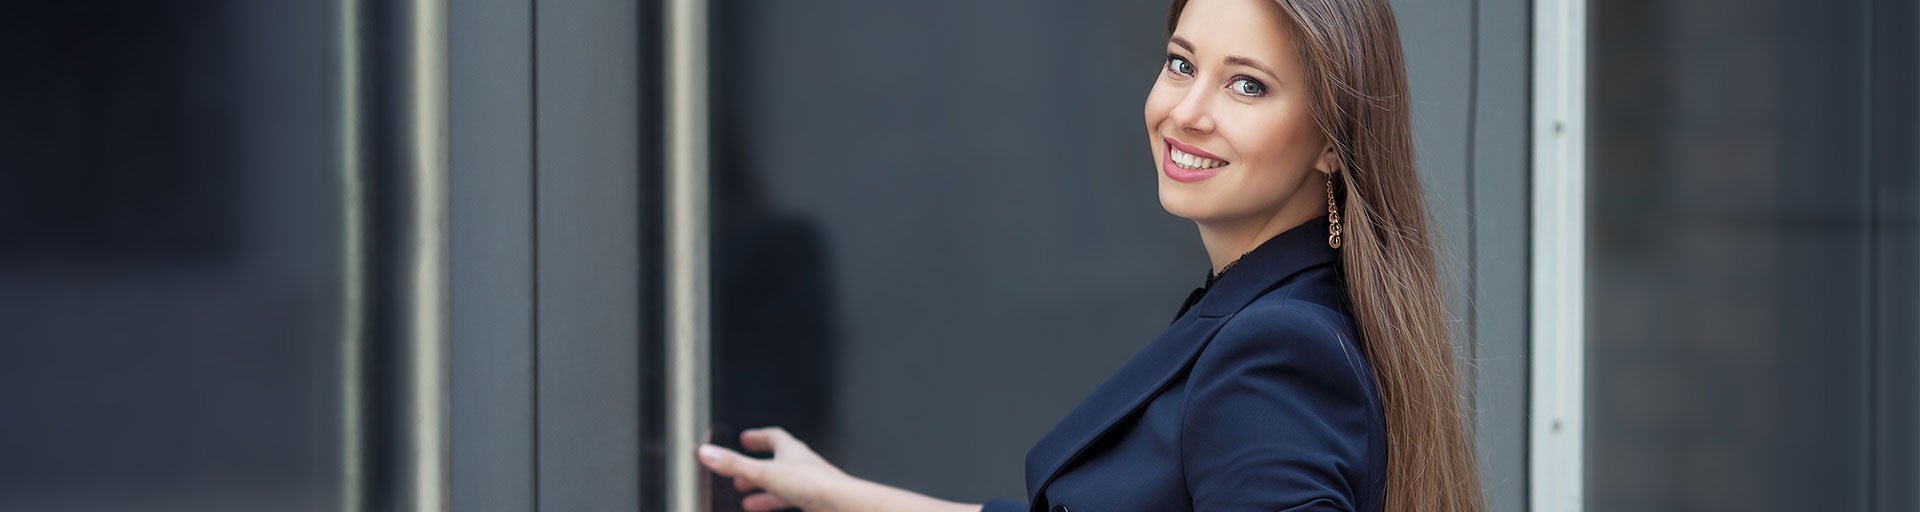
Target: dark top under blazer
1256	398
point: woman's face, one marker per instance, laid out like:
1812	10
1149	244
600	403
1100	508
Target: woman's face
1229	119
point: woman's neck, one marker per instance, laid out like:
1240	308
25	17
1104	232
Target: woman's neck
1228	240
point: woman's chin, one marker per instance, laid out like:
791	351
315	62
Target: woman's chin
1183	204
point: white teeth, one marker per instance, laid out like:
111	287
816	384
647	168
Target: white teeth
1186	161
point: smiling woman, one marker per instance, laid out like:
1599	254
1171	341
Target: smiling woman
1338	113
1251	127
1313	371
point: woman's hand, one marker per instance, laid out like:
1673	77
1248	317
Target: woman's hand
794	477
797	478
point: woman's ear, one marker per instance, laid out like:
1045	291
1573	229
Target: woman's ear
1329	160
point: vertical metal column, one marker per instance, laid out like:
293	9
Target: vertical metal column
1559	255
428	340
353	262
394	172
687	310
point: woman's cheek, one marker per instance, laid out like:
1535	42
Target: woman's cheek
1157	107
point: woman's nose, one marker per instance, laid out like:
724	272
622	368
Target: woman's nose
1191	113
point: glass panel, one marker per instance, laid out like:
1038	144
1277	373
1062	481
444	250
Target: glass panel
169	257
936	227
1731	250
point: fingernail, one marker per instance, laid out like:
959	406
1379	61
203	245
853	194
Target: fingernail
709	452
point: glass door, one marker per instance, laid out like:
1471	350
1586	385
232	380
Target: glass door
1750	279
923	212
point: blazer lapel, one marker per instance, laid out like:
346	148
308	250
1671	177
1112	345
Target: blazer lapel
1265	268
1136	382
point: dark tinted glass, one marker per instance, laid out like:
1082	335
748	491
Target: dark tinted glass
169	257
1750	264
936	226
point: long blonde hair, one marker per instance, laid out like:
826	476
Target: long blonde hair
1356	77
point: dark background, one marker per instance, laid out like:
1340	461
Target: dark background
935	230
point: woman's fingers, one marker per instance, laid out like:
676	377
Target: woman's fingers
763	502
730	463
744	484
794	475
756	439
768	439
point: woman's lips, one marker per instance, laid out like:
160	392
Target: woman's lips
1184	148
1188	164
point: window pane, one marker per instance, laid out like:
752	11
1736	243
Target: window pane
1733	257
170	266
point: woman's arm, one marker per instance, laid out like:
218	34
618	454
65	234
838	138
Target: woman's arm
798	478
865	496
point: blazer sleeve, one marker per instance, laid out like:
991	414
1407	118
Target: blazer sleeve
1003	505
1278	414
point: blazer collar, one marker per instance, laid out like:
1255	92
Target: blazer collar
1260	271
1274	261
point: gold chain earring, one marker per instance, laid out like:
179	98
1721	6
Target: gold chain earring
1333	216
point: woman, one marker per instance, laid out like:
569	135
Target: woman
1312	371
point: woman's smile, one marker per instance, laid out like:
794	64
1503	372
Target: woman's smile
1188	164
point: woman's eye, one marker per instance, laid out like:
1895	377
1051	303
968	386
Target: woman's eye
1179	66
1248	87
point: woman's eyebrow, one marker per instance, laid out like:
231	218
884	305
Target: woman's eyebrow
1232	60
1248	62
1182	42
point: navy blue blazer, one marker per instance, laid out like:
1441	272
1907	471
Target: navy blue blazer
1258	397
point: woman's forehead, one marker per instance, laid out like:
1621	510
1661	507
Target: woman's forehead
1217	30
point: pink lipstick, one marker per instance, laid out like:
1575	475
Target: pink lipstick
1188	164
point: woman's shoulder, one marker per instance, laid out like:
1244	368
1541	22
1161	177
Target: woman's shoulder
1283	381
1311	304
1297	329
1303	328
